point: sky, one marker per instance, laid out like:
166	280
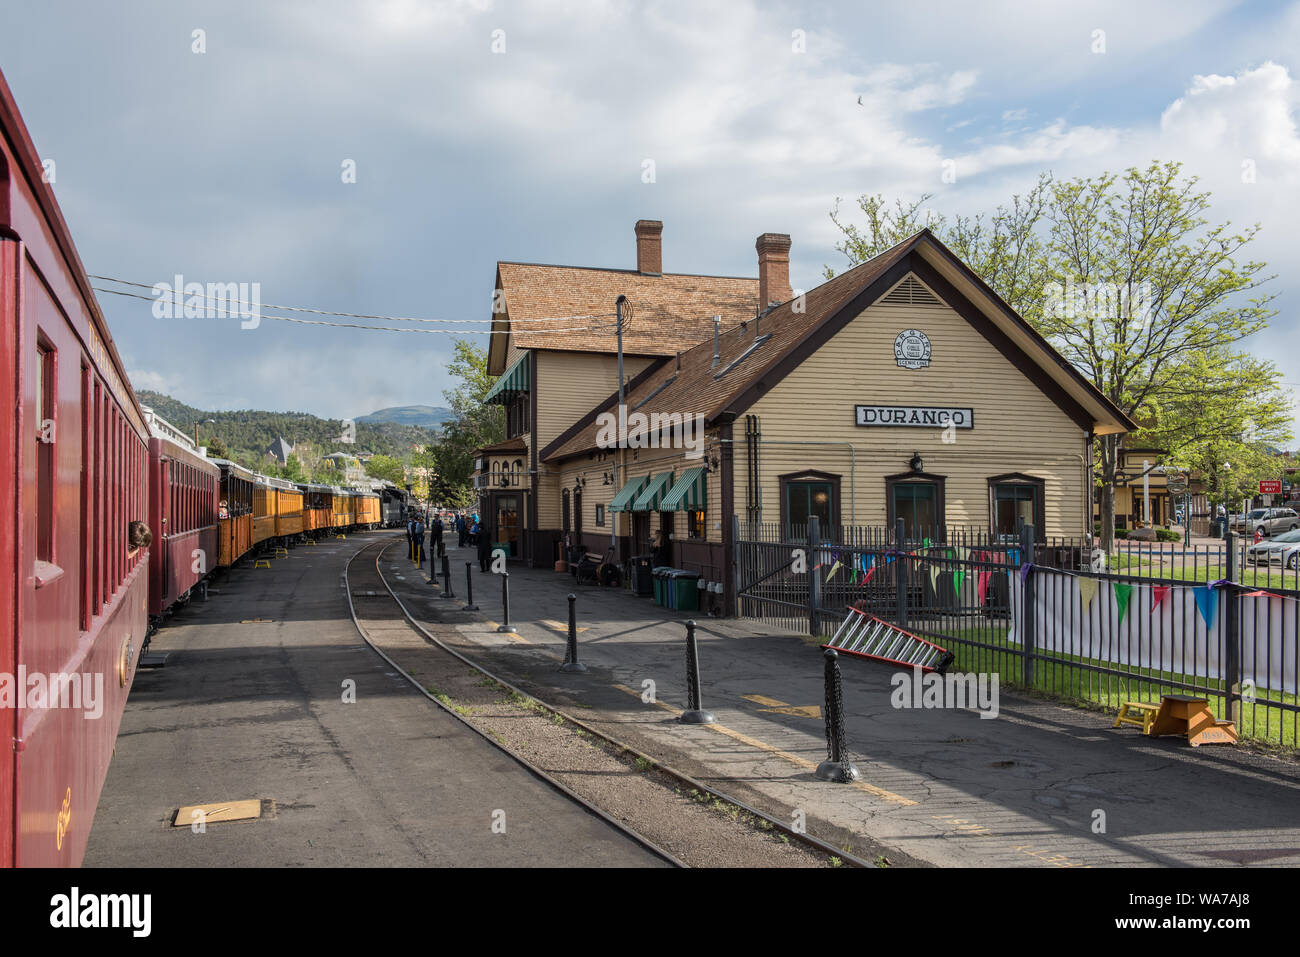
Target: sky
214	140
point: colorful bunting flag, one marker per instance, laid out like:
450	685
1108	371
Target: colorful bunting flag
835	570
957	578
934	579
1158	594
983	585
1122	595
1207	600
1087	592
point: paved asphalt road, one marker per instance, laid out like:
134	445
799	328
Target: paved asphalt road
250	705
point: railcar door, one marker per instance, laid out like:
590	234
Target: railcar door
56	784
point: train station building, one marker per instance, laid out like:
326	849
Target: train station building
903	388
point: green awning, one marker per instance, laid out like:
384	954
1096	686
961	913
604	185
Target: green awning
687	494
648	500
514	380
623	500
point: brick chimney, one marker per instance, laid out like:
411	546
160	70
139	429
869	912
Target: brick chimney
773	269
649	247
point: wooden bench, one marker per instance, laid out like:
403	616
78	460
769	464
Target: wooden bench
1178	714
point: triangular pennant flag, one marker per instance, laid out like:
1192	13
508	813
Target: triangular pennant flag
1122	595
934	578
867	577
963	553
1158	594
1260	594
1087	592
983	585
957	578
1207	600
835	570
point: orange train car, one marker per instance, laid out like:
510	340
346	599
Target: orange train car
263	509
342	509
317	508
235	511
366	509
288	509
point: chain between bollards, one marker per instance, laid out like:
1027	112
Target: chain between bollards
571	662
469	587
837	766
505	625
694	713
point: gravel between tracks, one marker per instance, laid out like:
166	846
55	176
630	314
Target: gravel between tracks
694	827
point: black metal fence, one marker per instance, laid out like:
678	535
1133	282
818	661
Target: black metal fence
1218	620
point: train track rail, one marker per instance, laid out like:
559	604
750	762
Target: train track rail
771	823
360	622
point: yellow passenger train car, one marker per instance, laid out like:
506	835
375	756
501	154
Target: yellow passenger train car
317	508
235	512
342	509
365	509
288	509
263	509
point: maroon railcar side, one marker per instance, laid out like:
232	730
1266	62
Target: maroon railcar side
184	490
72	595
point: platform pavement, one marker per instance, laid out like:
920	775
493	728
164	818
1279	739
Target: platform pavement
942	786
250	705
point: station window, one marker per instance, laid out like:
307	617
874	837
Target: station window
600	516
1015	500
695	523
917	499
809	494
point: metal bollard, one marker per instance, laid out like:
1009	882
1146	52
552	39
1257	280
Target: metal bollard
505	626
571	662
694	713
837	766
469	587
446	578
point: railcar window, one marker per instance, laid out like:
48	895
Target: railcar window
87	395
45	460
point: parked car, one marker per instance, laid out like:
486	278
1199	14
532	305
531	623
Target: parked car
1283	550
1266	521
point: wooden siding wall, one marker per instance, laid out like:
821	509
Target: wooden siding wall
1017	428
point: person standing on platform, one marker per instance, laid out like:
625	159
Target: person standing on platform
460	530
417	534
484	549
435	537
410	538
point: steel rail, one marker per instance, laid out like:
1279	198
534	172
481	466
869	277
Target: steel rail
524	762
814	842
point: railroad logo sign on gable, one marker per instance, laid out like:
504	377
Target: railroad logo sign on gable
912	349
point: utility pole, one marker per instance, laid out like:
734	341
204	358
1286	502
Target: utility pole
622	420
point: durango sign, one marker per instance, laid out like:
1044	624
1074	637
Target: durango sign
915	415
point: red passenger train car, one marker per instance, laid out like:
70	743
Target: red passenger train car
73	592
184	491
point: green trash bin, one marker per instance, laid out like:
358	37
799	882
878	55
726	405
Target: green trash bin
659	573
686	591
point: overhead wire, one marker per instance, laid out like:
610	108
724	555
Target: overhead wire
355	325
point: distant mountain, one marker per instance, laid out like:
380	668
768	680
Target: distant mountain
425	416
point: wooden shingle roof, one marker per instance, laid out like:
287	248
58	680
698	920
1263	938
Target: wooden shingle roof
670	313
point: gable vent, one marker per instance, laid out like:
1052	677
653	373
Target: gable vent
910	292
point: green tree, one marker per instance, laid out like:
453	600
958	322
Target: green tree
1127	278
475	425
292	469
388	468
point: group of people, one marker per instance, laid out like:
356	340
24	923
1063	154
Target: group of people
468	528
